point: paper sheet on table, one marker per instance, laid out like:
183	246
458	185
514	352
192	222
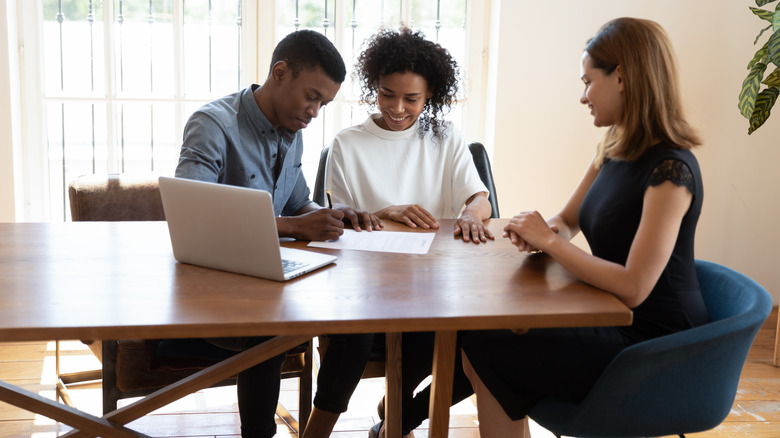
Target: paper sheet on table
381	241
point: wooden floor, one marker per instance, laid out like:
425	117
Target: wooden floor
212	413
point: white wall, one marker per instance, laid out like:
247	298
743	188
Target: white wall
544	138
9	104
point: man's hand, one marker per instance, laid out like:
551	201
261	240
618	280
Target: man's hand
320	224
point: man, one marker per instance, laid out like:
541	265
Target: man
251	138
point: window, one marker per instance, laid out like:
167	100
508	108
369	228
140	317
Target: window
119	78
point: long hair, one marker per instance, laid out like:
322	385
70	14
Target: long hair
389	51
652	106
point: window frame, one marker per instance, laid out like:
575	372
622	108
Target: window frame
258	39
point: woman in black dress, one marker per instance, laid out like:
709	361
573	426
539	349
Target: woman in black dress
637	205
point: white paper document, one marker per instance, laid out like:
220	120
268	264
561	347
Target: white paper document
381	241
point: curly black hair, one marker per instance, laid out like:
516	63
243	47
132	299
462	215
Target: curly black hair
307	50
390	51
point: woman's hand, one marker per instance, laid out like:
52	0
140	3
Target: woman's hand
411	214
472	229
470	224
357	218
529	232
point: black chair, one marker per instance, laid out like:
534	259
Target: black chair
318	195
482	162
478	154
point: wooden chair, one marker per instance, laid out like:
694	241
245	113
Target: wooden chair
131	367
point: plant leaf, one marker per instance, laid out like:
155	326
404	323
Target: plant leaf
774	48
758	37
773	80
762	13
758	56
763	2
747	97
766	99
776	19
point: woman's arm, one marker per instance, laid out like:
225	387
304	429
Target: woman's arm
663	209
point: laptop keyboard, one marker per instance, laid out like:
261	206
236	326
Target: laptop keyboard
291	265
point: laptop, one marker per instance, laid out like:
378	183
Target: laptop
232	229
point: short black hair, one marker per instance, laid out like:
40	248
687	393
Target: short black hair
390	51
307	50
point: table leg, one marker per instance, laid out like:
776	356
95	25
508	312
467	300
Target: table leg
441	387
393	385
91	425
202	379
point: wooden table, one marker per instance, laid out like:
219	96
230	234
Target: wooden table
119	281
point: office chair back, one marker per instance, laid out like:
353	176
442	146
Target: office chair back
680	383
482	162
478	154
318	193
115	197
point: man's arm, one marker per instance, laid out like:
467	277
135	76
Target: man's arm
203	149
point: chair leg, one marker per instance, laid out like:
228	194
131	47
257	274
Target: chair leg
305	388
65	379
304	397
288	419
777	342
110	391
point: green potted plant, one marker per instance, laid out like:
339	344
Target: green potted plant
754	103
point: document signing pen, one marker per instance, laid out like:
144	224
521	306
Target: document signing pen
330	200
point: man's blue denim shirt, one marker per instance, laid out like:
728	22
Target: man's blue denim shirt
231	141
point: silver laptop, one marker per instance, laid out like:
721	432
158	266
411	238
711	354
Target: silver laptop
232	229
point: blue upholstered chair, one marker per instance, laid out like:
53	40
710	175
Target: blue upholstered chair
681	383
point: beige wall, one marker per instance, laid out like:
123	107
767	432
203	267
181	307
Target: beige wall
544	138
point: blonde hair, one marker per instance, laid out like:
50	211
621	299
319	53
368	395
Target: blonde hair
653	110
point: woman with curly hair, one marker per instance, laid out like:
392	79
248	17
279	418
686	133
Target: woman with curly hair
404	163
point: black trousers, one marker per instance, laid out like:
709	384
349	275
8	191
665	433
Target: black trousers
257	387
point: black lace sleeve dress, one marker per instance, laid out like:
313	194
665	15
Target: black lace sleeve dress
520	370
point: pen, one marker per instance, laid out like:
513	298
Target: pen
330	200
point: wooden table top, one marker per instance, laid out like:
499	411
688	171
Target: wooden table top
116	280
